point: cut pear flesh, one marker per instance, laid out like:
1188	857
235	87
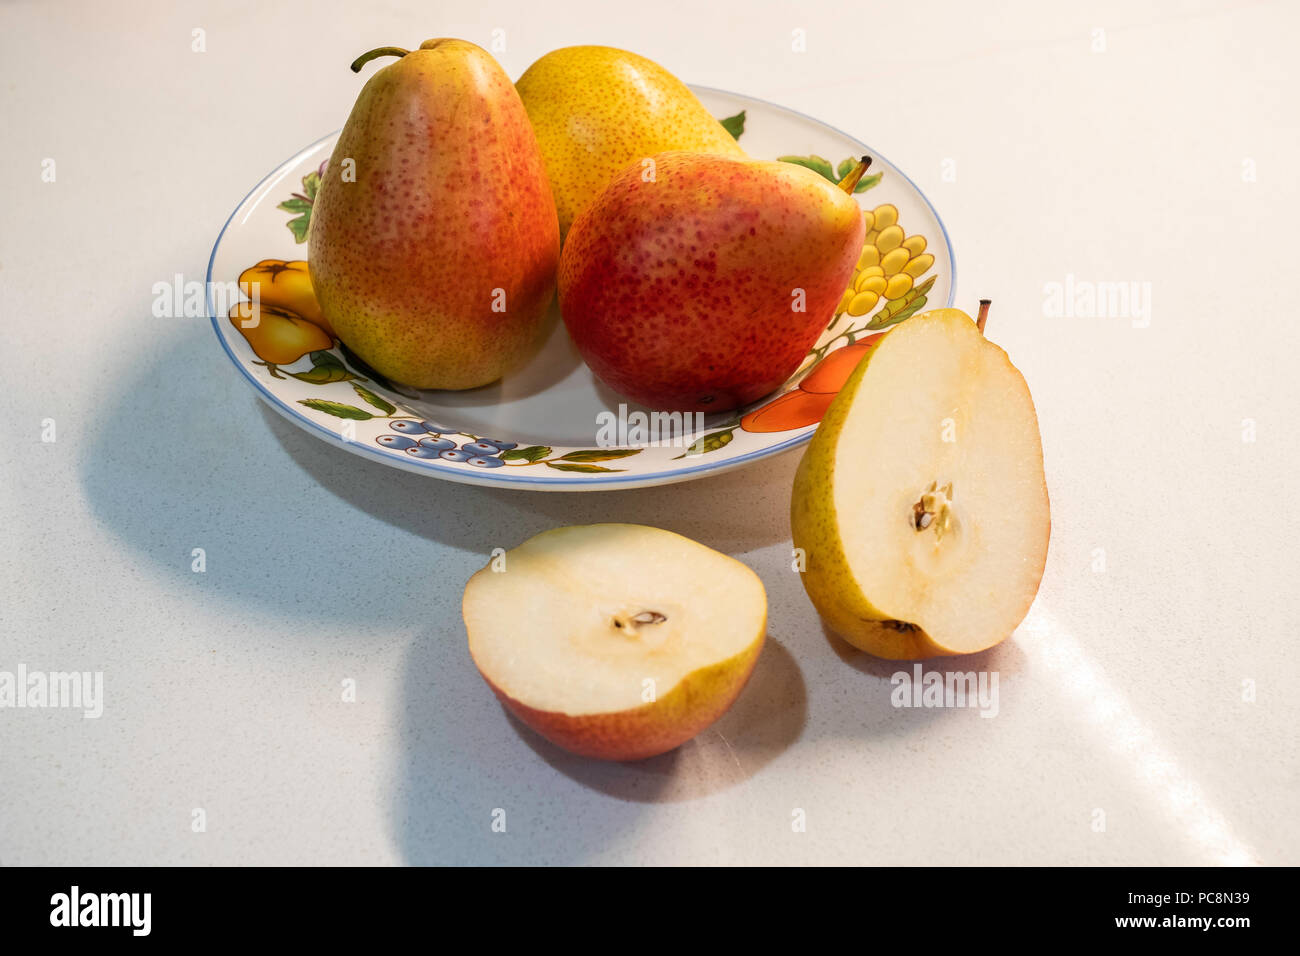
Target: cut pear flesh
937	492
615	640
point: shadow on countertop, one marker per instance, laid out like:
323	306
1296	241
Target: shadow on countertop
320	541
466	761
326	543
184	456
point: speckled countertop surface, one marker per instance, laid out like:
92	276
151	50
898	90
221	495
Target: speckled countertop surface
1147	708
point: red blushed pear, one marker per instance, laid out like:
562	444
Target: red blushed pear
698	282
434	240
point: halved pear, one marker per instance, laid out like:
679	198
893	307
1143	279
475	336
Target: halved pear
616	641
921	503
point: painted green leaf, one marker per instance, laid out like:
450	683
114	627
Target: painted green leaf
301	205
900	309
326	368
586	469
866	182
735	125
710	442
299	228
916	306
530	454
815	163
321	374
370	398
337	409
823	167
599	454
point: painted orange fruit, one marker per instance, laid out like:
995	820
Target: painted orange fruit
834	370
794	409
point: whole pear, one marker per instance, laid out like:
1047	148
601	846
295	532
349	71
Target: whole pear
703	286
434	241
597	109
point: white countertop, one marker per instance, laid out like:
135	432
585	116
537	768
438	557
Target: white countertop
1167	158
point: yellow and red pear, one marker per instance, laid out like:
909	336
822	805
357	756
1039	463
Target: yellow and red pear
699	282
434	241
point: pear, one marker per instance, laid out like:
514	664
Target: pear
434	241
920	504
616	641
597	110
702	287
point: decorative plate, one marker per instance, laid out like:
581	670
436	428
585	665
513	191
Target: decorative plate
552	425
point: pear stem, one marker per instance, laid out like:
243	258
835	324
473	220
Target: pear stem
365	58
983	314
850	182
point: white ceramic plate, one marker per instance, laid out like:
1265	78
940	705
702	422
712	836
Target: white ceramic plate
548	425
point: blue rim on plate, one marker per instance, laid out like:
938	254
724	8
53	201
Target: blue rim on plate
493	478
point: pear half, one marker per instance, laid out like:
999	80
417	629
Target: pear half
921	503
616	641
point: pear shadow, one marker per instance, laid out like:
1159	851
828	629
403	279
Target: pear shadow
465	763
881	717
855	694
712	420
767	717
1005	658
552	359
612	399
